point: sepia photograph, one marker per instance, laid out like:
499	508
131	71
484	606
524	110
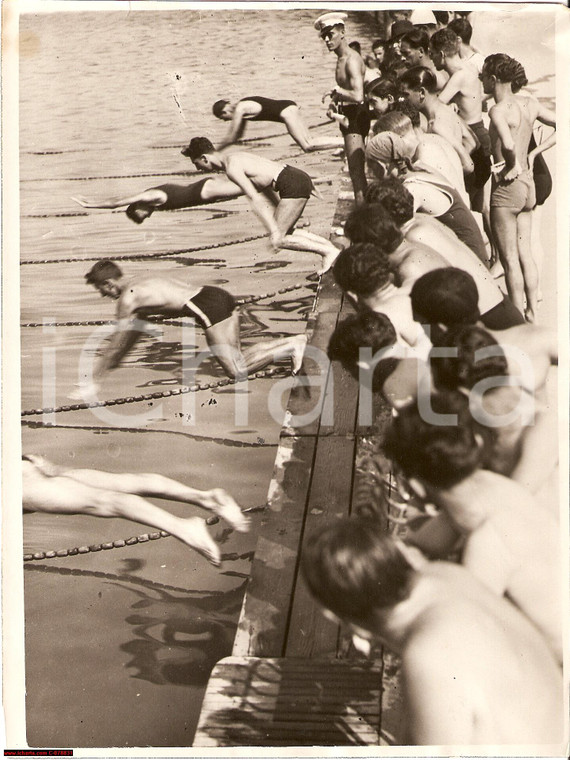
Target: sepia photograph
284	379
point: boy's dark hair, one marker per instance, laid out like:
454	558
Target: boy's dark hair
103	270
407	109
467	368
416	38
441	455
462	29
367	330
361	268
352	569
394	196
355	45
372	223
419	76
447	296
445	41
442	17
218	107
506	69
383	87
134	212
378	43
199	146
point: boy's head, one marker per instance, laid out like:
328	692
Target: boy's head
355	570
104	276
462	29
502	68
394	196
477	357
446	296
431	450
372	223
362	268
443	45
138	212
223	109
198	151
414	46
370	332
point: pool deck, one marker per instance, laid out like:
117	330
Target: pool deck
294	678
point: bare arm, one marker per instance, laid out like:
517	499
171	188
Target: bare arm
154	197
237	174
512	168
451	88
237	126
122	340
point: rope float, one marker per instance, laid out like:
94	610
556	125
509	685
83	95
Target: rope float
124	257
119	543
264	373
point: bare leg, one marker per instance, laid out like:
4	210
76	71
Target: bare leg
61	494
528	266
154	485
536	246
300	133
354	147
504	226
302	240
223	340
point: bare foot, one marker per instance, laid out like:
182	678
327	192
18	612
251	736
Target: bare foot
81	200
193	531
297	357
222	504
328	260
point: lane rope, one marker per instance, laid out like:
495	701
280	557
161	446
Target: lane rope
264	373
120	543
164	254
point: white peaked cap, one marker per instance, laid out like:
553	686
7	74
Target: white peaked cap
422	16
330	19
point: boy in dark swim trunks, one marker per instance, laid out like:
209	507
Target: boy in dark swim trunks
255	175
348	96
213	308
256	108
168	197
59	490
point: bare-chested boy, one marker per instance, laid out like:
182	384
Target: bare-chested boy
256	174
419	87
47	487
348	96
511	545
464	89
213	308
474	670
513	192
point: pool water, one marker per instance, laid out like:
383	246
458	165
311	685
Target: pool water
119	644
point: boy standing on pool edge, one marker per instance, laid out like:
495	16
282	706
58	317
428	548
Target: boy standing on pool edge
348	97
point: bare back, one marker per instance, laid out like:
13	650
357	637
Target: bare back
259	170
154	295
520	113
475	670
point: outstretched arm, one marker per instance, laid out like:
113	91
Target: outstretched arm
153	196
237	126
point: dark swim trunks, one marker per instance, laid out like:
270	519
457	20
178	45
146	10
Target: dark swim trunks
293	183
270	109
359	118
481	158
503	315
210	306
